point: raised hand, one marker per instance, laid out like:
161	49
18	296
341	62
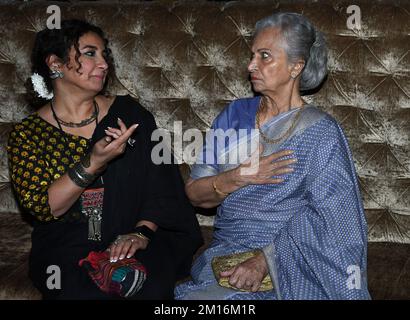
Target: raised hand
112	145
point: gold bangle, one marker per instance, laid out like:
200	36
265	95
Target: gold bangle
139	235
221	193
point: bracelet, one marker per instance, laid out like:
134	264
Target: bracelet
144	232
139	235
79	176
221	193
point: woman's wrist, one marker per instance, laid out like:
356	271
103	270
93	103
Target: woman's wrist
80	176
92	165
226	183
234	178
83	173
139	235
143	232
216	188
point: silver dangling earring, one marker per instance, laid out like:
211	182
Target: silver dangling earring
55	74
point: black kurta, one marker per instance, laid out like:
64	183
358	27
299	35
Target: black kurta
134	189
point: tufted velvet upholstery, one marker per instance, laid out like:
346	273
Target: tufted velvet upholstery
186	60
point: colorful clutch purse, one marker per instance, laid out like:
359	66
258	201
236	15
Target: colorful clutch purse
224	263
123	278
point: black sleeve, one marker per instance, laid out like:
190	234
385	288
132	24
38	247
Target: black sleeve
137	188
165	202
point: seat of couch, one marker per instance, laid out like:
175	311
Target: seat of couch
388	263
15	244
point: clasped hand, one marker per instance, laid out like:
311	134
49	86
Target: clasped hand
249	274
112	145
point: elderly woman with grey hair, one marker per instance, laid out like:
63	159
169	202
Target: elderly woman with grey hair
303	221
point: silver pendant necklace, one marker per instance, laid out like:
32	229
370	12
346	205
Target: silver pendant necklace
91	200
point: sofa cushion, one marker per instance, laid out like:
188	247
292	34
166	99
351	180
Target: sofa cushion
388	269
15	244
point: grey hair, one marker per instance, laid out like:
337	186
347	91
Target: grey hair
301	41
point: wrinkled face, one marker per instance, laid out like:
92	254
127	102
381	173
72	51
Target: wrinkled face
269	69
93	71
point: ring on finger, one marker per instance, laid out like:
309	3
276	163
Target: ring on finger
118	240
131	141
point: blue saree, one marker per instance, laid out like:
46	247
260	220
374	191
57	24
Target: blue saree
311	227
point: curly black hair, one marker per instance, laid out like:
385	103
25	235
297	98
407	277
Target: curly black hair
59	42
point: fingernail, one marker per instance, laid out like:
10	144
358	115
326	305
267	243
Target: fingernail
121	257
135	125
119	119
109	128
128	256
294	160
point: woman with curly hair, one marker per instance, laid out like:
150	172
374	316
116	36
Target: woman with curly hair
81	165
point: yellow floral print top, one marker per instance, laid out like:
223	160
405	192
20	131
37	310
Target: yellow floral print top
38	154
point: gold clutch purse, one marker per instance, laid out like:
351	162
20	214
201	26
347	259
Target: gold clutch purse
224	263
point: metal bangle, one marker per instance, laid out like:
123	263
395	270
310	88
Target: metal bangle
144	231
79	176
219	192
139	235
81	170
